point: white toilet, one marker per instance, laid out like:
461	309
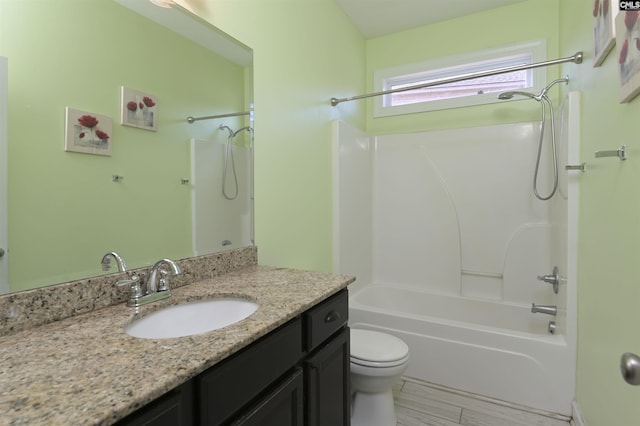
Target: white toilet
377	361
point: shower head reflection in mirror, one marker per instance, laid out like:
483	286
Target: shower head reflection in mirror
544	100
228	157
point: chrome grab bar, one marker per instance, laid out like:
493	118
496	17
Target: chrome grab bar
580	167
621	153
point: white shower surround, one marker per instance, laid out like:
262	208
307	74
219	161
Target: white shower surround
450	216
207	169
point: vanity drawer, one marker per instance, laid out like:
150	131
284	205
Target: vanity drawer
325	319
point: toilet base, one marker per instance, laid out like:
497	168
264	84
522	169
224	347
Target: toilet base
373	409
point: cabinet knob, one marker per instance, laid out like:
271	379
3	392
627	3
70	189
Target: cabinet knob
1	252
332	316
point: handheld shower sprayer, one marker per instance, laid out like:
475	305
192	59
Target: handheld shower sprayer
247	128
543	99
233	134
539	96
228	129
564	80
228	155
510	95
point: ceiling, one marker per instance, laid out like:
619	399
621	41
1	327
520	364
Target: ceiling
376	18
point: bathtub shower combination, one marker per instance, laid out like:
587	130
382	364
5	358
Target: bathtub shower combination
226	166
449	245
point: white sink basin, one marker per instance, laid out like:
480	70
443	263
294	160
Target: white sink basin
191	318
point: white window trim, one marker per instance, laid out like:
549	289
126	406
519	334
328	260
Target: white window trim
538	49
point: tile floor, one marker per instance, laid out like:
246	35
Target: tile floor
424	404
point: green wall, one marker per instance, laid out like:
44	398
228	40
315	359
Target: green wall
609	230
64	210
305	52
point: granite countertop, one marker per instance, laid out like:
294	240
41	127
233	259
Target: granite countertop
86	370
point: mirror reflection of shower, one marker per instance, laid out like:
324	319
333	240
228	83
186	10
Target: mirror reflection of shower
228	158
544	100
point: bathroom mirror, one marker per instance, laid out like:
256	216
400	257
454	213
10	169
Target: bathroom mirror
69	59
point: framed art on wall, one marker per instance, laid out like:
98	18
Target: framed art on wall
628	45
87	132
604	35
138	109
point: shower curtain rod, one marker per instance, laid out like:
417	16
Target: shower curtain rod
576	58
210	117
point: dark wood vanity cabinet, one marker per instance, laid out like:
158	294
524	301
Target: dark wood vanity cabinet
327	363
284	406
296	375
175	408
226	391
327	383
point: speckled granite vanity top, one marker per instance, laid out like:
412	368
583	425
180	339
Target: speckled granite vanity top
86	370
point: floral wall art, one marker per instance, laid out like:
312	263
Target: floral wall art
87	132
139	109
628	42
603	29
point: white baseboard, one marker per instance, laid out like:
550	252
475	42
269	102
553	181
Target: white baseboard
577	419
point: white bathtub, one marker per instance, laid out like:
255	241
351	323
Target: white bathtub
493	349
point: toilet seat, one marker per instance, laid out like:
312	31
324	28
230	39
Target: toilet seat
375	349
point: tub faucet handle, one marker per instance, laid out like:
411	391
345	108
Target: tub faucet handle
553	279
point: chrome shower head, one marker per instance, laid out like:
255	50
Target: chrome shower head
227	128
564	80
509	95
248	129
539	96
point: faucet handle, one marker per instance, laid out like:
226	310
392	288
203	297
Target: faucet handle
553	279
163	283
135	292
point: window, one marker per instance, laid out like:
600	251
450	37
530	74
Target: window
463	93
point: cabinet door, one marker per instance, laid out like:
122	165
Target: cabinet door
328	383
281	407
225	389
175	408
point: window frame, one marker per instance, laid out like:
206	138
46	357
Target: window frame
536	48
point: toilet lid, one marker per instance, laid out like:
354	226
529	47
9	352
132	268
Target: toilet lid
369	346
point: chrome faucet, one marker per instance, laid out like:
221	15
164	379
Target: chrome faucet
155	289
106	261
152	285
544	309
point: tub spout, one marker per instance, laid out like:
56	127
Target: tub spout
544	309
